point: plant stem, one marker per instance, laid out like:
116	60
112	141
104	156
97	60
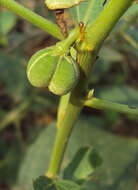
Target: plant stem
95	35
97	32
107	105
63	46
63	134
70	115
33	18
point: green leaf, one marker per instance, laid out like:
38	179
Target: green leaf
3	40
121	94
13	75
44	183
83	8
107	57
110	55
133	10
119	155
36	159
83	164
67	185
7	21
11	157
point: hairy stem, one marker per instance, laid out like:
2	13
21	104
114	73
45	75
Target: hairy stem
32	17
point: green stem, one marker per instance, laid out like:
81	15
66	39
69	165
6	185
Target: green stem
33	18
63	103
86	60
70	115
62	138
63	46
107	105
97	32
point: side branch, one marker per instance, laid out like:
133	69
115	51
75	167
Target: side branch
32	17
108	105
98	31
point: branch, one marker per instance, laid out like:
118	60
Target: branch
107	105
97	32
32	17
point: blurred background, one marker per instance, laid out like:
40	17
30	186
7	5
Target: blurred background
25	111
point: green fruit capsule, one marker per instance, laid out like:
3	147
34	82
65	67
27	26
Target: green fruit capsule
59	73
65	76
41	67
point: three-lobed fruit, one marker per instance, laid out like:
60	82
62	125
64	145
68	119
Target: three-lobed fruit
59	73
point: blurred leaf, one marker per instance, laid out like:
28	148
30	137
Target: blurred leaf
121	94
107	57
131	11
37	158
83	6
44	183
7	21
111	117
118	154
3	40
11	161
83	164
108	54
67	185
13	74
130	16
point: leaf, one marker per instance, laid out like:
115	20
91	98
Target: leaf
3	40
13	75
67	185
44	183
83	6
10	164
83	164
133	10
119	155
107	57
7	21
121	94
36	159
